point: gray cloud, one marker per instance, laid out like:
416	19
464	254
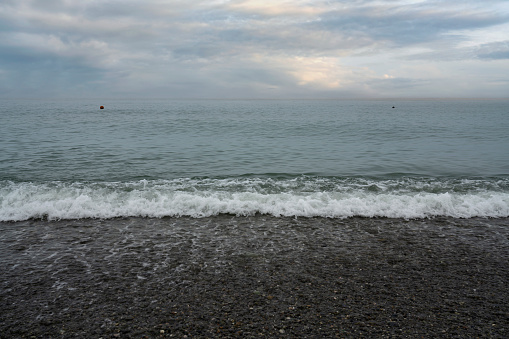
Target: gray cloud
496	50
406	25
246	48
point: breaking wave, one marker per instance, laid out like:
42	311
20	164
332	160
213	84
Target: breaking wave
300	196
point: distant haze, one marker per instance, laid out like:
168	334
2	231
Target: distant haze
254	49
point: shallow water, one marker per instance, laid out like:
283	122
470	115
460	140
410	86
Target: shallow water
164	248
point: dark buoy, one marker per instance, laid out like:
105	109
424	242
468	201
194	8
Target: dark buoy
392	106
102	107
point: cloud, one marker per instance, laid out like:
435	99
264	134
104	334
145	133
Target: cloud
494	50
285	8
249	48
404	25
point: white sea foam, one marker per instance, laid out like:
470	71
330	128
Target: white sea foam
306	197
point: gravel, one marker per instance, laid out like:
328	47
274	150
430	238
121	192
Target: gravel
255	277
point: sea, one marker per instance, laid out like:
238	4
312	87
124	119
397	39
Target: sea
69	159
243	218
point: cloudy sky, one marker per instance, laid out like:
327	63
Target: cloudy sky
254	48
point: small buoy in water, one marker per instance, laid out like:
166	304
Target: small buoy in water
102	107
392	106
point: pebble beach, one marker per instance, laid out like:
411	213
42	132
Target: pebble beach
254	277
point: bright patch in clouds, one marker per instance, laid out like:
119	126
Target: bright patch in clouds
278	8
254	48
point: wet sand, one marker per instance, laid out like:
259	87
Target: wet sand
255	277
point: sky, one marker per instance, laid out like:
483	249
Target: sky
254	49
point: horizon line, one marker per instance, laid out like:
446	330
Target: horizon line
254	99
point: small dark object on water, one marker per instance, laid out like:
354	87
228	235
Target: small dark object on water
392	106
102	107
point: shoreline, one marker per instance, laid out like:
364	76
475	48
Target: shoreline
256	276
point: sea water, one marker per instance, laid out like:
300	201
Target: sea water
67	159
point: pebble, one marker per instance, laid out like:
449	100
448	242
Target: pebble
383	313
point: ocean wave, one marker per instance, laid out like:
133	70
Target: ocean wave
301	197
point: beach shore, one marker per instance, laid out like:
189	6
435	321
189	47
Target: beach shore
254	277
